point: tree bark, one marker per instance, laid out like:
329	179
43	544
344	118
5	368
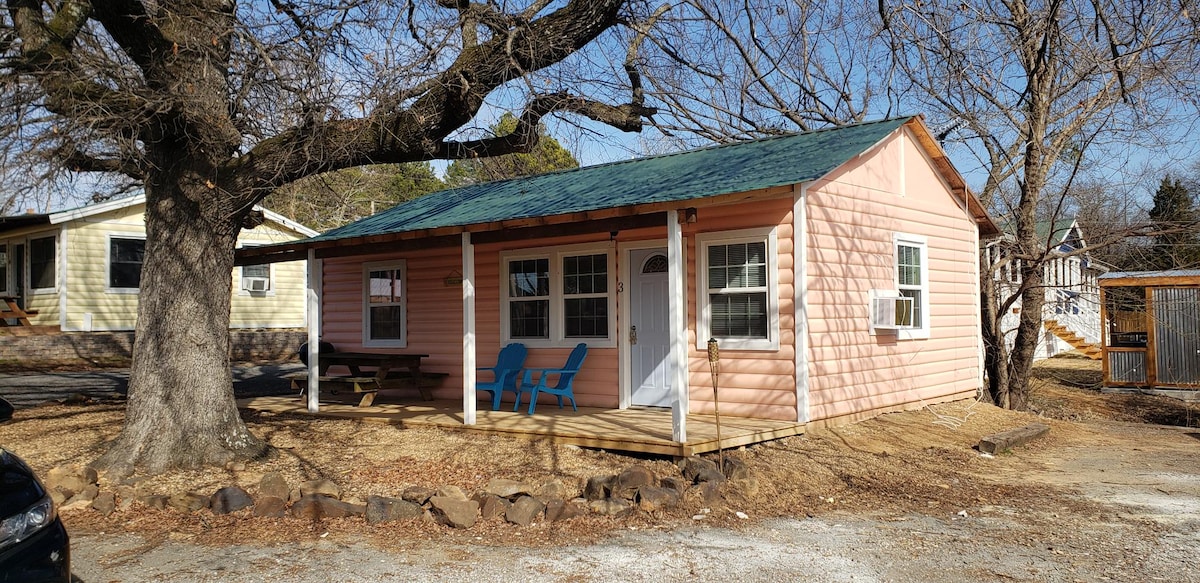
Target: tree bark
995	347
181	411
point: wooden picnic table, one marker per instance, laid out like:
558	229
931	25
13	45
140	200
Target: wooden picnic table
14	312
383	363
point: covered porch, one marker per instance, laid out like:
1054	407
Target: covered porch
636	430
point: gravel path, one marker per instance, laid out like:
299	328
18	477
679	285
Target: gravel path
28	389
913	548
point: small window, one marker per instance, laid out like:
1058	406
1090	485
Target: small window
256	278
125	257
385	305
656	263
912	281
41	263
739	301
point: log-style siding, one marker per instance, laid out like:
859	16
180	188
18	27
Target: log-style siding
853	215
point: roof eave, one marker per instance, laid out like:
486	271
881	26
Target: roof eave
958	185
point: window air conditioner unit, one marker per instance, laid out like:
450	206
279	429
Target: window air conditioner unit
892	313
256	284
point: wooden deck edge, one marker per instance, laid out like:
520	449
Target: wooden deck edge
748	432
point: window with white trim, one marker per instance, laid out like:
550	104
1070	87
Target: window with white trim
912	281
385	299
42	272
739	295
256	278
125	257
558	297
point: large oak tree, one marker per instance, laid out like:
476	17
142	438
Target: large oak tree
210	105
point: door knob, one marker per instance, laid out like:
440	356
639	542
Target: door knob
632	335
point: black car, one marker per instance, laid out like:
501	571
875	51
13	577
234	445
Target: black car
33	542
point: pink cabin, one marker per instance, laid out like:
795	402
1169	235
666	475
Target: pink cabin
836	270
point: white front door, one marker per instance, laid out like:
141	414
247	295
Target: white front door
649	336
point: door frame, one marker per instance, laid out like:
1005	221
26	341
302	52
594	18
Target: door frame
624	349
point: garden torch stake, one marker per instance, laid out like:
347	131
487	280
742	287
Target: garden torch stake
714	365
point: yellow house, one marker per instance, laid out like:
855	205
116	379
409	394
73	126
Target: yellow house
80	269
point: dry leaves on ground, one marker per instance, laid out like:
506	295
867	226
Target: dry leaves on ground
918	461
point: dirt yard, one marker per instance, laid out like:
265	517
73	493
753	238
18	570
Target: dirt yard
1111	493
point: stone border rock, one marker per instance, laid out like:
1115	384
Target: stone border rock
635	489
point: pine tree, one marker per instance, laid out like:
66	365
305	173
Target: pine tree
1175	217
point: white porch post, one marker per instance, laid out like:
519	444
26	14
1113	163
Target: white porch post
313	297
468	290
800	297
677	310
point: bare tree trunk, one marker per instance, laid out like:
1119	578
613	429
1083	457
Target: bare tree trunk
1020	362
180	410
995	349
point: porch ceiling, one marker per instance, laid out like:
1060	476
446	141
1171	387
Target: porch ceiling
630	430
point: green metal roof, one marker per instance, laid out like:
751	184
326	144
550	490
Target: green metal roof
695	174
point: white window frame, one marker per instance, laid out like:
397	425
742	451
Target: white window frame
557	329
108	263
398	265
241	279
920	332
704	310
27	269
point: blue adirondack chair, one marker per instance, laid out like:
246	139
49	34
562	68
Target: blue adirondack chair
562	388
505	373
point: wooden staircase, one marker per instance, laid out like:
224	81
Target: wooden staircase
1084	347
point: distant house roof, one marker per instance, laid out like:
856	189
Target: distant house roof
12	222
26	220
1056	232
1167	277
696	174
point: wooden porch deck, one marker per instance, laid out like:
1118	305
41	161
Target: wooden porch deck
630	430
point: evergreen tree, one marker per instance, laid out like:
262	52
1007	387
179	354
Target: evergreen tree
333	199
1175	217
547	156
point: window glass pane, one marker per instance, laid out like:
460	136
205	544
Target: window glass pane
717	278
586	318
741	315
261	270
909	265
385	286
4	267
529	278
655	264
529	319
41	263
916	296
386	322
125	262
585	274
739	265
